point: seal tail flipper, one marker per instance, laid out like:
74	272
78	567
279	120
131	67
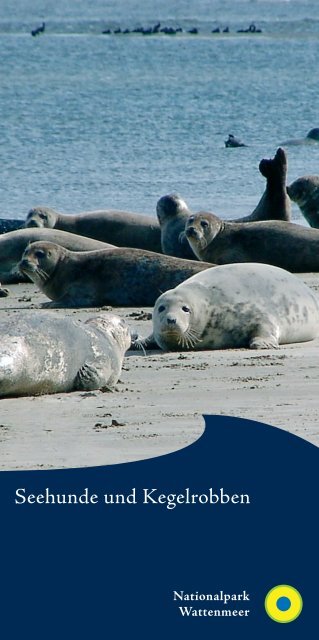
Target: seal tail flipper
269	167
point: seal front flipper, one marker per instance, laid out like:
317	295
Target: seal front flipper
93	376
265	336
141	344
63	302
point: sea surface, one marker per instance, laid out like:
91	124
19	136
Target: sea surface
92	120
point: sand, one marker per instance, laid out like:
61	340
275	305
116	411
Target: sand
159	402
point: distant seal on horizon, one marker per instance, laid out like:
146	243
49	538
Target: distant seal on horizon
13	244
232	141
47	353
254	306
276	242
173	212
312	137
120	228
305	193
117	277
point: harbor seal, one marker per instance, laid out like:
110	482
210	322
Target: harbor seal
117	277
9	224
173	213
305	193
45	353
13	244
283	244
120	228
232	141
312	137
274	203
250	305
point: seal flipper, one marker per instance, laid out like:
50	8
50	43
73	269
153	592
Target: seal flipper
265	336
93	376
141	344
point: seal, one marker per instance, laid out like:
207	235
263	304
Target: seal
283	244
13	244
117	277
311	138
274	203
232	141
235	306
173	213
9	224
305	193
119	228
45	353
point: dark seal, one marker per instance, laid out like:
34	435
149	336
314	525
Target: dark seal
305	193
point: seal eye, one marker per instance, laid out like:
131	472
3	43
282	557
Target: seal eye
204	224
191	219
42	216
39	253
186	309
161	308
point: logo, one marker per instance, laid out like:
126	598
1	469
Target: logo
283	603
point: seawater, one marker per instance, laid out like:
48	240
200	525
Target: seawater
93	121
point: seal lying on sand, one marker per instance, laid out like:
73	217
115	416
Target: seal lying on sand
233	306
173	212
13	244
120	228
45	353
283	244
274	203
311	138
305	193
119	277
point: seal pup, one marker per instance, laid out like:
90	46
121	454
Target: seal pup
305	193
173	213
254	306
120	228
118	277
283	244
45	353
13	244
311	138
274	203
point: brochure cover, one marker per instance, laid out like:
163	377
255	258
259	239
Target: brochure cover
159	319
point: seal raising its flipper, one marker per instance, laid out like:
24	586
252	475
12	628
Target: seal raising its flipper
121	228
233	306
13	244
45	353
283	244
305	193
118	277
274	203
173	213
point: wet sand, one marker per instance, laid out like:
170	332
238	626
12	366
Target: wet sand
158	403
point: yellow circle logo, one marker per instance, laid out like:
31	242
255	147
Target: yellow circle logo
283	603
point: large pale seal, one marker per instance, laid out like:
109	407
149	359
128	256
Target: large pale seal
45	353
283	244
118	277
13	244
121	228
233	306
305	193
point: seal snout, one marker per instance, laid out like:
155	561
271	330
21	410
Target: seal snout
170	320
191	232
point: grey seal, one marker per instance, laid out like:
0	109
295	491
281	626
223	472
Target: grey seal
118	277
305	193
13	244
250	305
45	353
232	141
312	137
121	228
173	212
283	244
